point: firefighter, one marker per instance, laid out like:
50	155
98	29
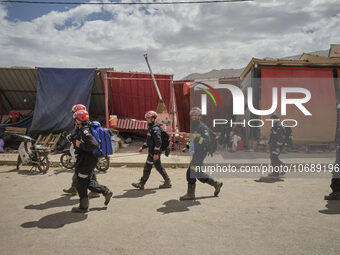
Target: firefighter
276	144
153	143
72	137
86	162
335	183
200	140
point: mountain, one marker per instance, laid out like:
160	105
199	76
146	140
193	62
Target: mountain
224	73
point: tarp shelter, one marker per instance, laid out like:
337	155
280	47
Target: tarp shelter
57	91
317	74
18	91
188	95
132	94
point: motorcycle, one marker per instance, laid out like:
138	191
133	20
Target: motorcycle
31	154
68	159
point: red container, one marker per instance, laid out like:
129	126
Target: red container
133	94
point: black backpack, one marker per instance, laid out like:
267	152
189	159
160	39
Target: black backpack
212	146
165	139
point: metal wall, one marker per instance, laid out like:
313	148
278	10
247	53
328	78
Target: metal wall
132	94
321	126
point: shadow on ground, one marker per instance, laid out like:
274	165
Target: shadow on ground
58	202
136	193
269	180
9	171
333	207
63	170
56	220
173	206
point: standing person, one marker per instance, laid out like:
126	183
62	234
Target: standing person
335	182
276	143
200	140
72	138
86	162
153	143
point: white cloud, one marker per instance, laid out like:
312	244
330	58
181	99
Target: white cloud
179	39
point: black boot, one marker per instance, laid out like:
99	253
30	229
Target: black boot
138	185
72	191
190	194
333	196
83	206
166	184
217	185
107	196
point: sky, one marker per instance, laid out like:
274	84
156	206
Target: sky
179	39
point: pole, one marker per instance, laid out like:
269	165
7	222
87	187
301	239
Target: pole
106	100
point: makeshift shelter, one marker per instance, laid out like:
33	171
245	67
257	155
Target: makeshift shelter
18	90
317	74
188	94
132	94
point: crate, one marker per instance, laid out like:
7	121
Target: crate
49	140
15	130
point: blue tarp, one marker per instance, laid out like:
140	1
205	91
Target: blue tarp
57	91
23	123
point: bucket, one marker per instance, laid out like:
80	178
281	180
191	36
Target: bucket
113	120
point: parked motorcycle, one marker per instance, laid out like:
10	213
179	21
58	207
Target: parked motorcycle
68	159
32	155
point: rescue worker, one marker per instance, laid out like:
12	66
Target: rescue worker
200	140
335	183
276	144
86	162
72	138
153	143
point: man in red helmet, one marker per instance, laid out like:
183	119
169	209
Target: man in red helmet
73	189
153	143
200	140
86	162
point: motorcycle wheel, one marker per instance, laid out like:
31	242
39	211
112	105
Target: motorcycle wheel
103	164
18	162
44	163
66	160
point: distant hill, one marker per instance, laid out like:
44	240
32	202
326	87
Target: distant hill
224	73
215	74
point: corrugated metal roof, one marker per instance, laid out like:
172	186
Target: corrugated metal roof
283	62
18	89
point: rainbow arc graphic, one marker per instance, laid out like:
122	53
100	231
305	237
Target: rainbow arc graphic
206	90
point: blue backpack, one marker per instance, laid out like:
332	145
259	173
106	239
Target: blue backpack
103	137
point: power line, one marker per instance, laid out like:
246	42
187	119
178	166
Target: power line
125	3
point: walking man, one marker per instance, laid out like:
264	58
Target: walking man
153	143
200	140
86	162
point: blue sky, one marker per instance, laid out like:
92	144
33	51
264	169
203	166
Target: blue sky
178	39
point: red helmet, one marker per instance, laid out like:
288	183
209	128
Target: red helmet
78	107
195	111
151	114
81	116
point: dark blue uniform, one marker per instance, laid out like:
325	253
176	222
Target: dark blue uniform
335	184
276	143
200	143
153	143
85	164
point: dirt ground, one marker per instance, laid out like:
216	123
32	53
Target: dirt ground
249	217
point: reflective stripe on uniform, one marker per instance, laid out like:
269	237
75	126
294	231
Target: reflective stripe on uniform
275	153
279	143
157	148
82	175
200	141
193	168
149	162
